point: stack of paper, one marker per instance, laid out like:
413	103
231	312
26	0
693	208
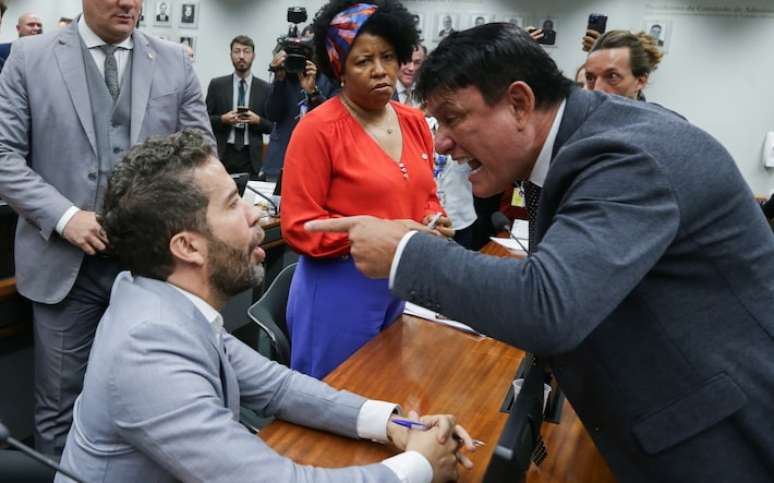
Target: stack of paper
427	314
520	231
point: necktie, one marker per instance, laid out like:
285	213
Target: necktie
239	133
532	198
111	70
407	97
242	90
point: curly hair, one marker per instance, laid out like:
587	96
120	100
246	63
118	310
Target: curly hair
151	196
644	55
391	21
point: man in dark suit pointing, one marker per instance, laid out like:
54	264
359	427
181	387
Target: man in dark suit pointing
236	103
650	288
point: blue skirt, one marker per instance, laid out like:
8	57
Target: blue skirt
333	310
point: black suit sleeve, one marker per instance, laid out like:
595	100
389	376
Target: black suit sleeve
262	90
214	108
276	100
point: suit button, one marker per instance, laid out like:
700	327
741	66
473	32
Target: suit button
116	150
412	293
596	429
92	176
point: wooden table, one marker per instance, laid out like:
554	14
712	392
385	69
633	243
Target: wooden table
436	369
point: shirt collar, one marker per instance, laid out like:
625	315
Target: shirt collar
248	79
93	40
540	170
209	313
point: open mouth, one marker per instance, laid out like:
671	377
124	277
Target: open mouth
475	166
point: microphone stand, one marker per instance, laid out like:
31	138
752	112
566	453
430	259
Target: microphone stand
275	208
5	437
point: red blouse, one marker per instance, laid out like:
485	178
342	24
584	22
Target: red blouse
333	168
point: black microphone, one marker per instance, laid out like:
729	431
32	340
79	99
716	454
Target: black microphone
502	223
275	208
5	438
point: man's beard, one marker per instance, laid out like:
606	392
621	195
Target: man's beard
232	270
247	68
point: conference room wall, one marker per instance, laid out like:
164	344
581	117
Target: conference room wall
715	73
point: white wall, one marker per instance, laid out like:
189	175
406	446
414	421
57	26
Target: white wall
717	71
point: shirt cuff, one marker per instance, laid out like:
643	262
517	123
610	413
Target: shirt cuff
373	418
60	226
410	467
398	254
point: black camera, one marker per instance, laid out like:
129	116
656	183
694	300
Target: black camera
297	48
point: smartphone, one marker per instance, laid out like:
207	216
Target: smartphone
242	110
597	22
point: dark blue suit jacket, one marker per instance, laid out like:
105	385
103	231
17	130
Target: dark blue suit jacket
5	51
282	108
649	293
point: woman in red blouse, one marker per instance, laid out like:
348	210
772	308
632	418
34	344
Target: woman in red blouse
357	154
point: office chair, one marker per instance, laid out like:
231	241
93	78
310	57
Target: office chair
269	313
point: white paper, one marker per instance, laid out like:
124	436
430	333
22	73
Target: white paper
427	314
266	188
520	229
512	245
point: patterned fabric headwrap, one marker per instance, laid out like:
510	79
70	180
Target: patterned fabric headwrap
342	32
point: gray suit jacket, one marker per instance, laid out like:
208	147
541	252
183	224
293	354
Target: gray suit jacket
48	152
161	398
650	292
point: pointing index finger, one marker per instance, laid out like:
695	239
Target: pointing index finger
334	225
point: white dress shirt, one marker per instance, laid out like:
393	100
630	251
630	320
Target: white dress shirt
235	84
409	467
537	176
93	43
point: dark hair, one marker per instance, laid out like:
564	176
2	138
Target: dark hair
491	57
644	55
244	40
391	21
151	196
3	8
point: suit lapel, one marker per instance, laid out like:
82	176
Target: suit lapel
69	57
143	67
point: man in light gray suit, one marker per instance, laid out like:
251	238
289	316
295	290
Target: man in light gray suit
162	392
650	288
73	102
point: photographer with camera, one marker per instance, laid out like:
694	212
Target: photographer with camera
297	89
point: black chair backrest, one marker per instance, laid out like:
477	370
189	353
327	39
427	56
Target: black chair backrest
270	314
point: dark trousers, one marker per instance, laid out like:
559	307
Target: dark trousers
464	237
238	160
64	333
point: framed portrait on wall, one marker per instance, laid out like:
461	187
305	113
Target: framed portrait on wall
550	29
660	30
478	18
445	23
189	14
513	18
162	15
189	42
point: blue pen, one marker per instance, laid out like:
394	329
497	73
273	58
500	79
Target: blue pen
408	423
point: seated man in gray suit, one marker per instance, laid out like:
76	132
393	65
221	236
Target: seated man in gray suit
73	101
650	288
162	392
